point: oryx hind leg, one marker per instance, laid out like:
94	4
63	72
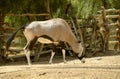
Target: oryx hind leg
28	48
31	39
27	52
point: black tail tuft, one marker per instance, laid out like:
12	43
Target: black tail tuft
8	43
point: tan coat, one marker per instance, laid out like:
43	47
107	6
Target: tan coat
57	29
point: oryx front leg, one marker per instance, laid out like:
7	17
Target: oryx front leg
51	58
63	52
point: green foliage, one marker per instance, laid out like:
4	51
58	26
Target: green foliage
58	8
116	4
79	8
15	21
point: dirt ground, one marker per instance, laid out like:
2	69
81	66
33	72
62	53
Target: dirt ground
101	67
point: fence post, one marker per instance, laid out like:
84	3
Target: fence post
119	28
1	38
106	33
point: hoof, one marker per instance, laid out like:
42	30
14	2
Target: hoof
65	61
50	63
83	60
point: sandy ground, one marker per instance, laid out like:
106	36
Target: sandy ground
105	67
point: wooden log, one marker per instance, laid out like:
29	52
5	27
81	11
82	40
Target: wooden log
110	10
29	14
23	55
112	16
111	42
38	53
7	29
113	24
20	35
17	56
15	50
114	32
94	49
114	36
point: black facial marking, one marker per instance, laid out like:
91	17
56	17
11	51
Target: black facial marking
81	58
32	43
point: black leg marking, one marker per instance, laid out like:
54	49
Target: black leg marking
32	43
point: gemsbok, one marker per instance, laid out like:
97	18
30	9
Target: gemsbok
57	29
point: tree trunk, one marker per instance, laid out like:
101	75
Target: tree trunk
1	38
105	3
106	33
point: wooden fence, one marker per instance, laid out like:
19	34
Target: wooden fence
108	22
109	19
